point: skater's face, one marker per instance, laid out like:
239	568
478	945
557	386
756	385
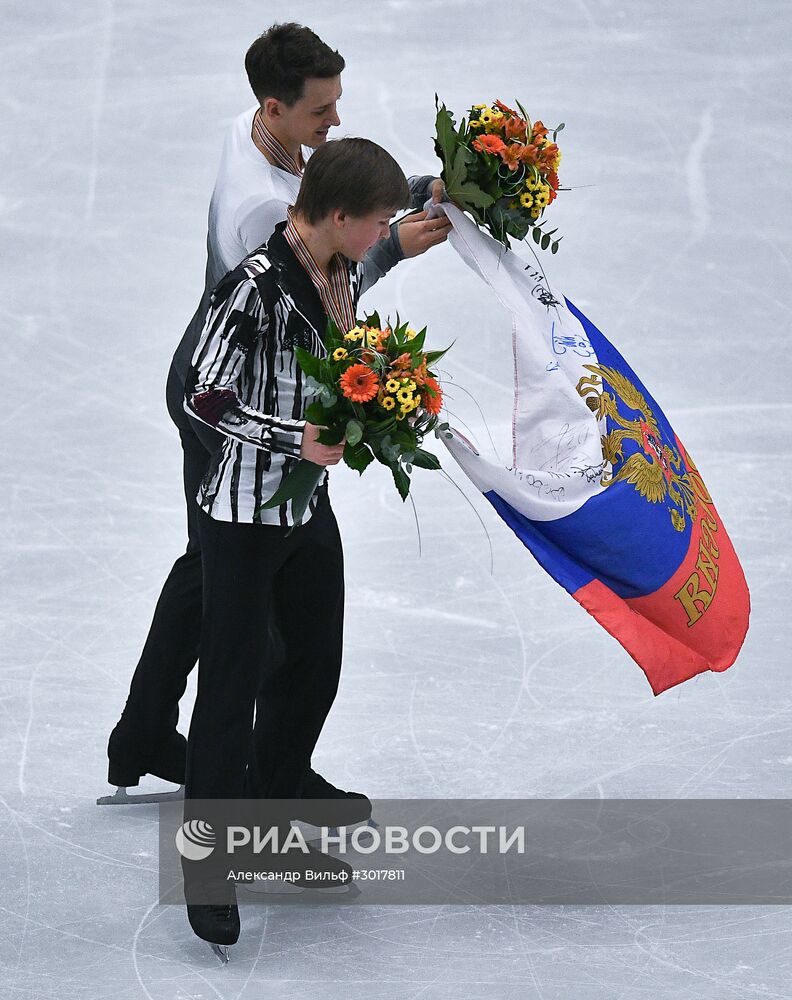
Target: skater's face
357	234
308	120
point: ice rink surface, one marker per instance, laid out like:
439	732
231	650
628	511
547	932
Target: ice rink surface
468	672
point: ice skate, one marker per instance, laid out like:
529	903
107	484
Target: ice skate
121	797
214	916
126	766
296	872
323	805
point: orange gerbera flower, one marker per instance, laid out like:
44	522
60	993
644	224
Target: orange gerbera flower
488	144
359	383
511	155
432	403
516	128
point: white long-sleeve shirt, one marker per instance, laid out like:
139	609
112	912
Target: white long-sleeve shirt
250	198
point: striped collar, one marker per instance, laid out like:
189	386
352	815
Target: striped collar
333	288
266	143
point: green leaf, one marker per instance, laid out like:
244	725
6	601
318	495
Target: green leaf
425	460
545	241
447	139
331	435
298	487
380	426
537	234
309	363
456	174
402	481
415	345
390	450
469	194
324	395
432	357
357	457
312	387
315	413
554	247
332	334
354	432
524	113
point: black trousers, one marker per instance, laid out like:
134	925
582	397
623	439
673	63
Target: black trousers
256	576
171	648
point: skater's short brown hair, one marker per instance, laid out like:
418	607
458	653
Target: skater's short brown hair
280	61
355	176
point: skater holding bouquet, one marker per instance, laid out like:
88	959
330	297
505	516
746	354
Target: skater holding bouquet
260	568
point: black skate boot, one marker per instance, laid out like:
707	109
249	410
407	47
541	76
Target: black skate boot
295	871
215	919
127	763
324	805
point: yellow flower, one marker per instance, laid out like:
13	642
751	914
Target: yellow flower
372	336
531	184
409	333
474	123
490	119
535	213
479	107
393	385
526	199
387	403
404	396
340	353
356	333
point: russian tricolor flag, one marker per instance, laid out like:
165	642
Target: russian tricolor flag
601	490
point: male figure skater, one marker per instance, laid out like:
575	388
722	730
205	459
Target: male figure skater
245	382
296	79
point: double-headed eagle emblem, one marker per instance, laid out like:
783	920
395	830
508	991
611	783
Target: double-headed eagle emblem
655	470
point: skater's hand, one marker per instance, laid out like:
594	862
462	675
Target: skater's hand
417	233
320	454
437	191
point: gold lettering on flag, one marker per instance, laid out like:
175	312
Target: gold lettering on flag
698	590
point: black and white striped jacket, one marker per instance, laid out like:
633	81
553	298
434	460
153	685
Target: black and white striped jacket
245	382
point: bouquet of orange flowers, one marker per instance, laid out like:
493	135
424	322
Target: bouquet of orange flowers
375	389
502	168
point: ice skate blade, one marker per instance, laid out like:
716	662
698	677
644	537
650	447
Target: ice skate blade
277	887
122	798
221	950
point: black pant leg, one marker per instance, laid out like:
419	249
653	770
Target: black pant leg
299	686
171	647
240	562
